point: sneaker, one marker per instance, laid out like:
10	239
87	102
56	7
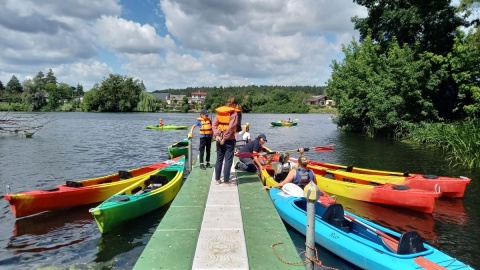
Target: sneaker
208	165
202	167
237	165
218	182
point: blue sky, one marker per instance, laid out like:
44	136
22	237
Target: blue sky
176	43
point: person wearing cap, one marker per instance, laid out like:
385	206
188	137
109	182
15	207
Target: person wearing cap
252	164
206	135
301	176
160	122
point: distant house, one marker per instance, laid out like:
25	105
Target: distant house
174	99
161	96
317	100
198	97
330	103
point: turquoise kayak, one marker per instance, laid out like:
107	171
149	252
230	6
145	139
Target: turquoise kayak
361	242
140	198
167	127
178	149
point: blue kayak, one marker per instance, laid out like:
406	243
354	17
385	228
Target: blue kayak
359	241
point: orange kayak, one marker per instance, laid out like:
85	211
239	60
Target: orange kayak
76	193
449	186
346	184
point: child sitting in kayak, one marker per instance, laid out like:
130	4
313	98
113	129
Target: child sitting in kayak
160	122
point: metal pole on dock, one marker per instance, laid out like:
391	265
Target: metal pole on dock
311	192
190	153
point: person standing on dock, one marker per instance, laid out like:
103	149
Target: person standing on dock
206	135
224	126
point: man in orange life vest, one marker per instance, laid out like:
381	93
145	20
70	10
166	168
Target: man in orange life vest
206	134
224	131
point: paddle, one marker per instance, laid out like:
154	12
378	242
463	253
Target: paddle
391	242
327	148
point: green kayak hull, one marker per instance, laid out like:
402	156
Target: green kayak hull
167	127
178	149
283	124
140	198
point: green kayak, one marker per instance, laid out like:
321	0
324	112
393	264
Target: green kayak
146	195
284	124
167	127
178	149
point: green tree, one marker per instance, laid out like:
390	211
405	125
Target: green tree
34	92
3	92
380	94
427	25
65	91
14	90
79	91
147	103
54	96
51	77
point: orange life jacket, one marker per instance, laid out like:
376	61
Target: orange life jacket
223	116
206	128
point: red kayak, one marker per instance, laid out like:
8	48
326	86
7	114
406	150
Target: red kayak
76	193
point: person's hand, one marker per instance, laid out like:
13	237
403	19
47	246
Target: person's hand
222	142
266	187
190	135
218	138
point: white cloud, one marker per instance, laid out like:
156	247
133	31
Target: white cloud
179	43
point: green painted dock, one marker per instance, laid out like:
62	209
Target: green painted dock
211	226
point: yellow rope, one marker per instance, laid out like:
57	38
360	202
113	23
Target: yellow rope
308	260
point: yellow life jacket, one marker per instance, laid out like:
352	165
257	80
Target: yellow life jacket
223	116
206	128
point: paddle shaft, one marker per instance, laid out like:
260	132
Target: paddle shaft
306	149
382	234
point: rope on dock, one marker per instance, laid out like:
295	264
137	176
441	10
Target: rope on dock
308	260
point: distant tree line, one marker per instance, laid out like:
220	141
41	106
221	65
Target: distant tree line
257	99
41	93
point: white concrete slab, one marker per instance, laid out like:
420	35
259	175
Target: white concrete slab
221	243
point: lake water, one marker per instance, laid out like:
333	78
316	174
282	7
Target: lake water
83	145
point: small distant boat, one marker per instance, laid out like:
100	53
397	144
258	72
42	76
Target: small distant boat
283	123
76	193
167	127
179	148
140	198
359	241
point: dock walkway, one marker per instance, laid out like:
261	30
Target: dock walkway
211	226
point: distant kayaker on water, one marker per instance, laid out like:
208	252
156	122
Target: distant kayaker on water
160	122
206	135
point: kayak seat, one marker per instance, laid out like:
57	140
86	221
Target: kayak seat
334	215
105	181
410	243
120	198
157	180
279	177
329	175
430	176
124	175
49	189
73	184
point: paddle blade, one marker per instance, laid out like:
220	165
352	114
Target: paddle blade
292	189
328	148
245	155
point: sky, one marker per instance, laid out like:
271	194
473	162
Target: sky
176	43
